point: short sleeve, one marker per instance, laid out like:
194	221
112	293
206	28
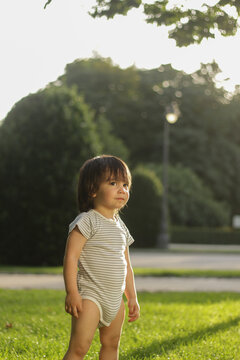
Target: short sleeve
129	237
84	224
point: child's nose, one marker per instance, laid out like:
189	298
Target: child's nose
121	188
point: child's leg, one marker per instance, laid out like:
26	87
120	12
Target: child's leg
110	336
83	330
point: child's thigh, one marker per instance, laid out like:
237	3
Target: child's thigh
84	327
113	332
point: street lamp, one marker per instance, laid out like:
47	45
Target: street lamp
171	116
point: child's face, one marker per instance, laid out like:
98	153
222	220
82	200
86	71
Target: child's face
112	194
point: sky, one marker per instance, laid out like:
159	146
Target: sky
36	45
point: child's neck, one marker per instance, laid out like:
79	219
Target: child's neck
108	213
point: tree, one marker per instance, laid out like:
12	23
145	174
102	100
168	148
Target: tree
142	214
201	138
191	202
134	102
44	140
111	144
110	91
187	25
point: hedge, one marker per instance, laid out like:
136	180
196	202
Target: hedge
221	236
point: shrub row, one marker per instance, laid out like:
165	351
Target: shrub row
221	236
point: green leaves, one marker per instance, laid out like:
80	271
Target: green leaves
209	121
45	139
191	26
188	25
142	214
113	7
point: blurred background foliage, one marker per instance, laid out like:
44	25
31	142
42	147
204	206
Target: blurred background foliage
141	214
96	107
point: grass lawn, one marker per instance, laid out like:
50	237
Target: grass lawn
183	326
186	273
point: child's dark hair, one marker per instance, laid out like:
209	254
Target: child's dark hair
96	170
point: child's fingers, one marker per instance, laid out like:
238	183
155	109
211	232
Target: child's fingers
131	309
67	308
75	312
131	317
74	309
134	315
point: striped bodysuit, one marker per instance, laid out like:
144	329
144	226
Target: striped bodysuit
102	264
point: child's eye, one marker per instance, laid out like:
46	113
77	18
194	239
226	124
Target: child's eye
113	183
126	186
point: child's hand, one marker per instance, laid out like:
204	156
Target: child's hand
134	310
73	304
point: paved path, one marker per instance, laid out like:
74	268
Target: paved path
18	281
155	259
186	260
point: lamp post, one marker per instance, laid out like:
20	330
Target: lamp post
171	116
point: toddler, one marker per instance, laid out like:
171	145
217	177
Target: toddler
97	268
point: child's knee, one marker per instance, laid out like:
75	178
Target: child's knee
110	341
80	348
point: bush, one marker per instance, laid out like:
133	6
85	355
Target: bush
142	214
225	236
191	203
43	142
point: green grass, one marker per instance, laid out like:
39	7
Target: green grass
182	326
186	273
137	271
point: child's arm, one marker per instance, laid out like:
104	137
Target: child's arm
130	291
75	243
